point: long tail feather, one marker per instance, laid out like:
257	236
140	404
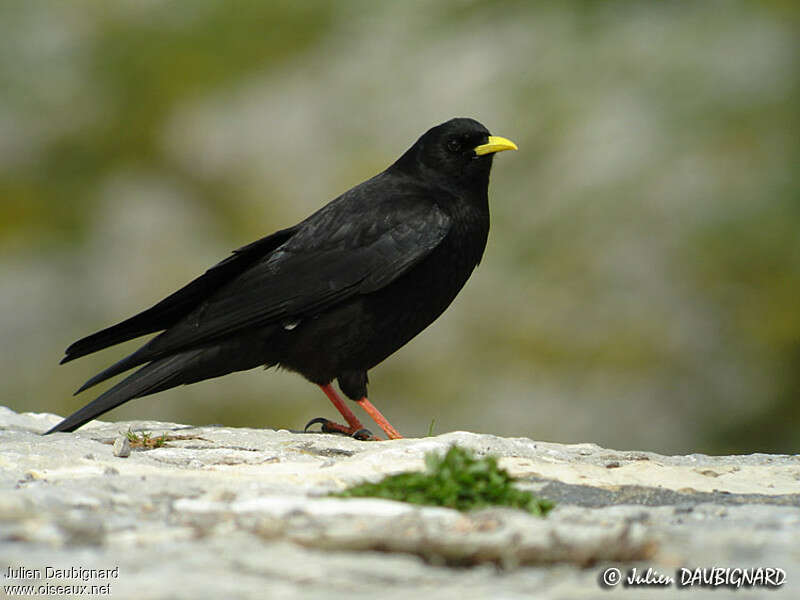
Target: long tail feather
154	377
175	306
191	366
132	360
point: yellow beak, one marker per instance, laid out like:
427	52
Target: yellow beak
495	144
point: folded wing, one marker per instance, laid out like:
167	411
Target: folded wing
348	248
175	306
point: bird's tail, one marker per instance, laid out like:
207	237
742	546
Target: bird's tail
179	369
177	305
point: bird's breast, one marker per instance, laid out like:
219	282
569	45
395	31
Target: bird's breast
408	305
362	332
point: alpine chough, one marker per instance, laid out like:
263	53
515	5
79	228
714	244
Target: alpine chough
329	298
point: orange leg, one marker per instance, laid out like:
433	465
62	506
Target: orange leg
376	415
340	405
354	426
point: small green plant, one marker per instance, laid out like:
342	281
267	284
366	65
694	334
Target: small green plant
133	438
146	439
455	480
430	428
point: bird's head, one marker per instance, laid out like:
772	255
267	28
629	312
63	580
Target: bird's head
459	150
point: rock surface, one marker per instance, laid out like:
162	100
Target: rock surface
222	512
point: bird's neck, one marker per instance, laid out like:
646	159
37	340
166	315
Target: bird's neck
472	186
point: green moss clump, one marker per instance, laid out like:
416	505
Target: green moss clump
456	480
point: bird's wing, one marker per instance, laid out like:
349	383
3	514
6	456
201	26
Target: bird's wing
333	258
177	305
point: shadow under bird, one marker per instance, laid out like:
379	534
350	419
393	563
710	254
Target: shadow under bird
329	298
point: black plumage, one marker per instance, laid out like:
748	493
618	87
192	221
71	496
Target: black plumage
332	296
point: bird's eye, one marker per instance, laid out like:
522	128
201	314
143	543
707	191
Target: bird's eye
454	146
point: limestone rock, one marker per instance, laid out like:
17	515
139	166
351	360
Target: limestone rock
218	511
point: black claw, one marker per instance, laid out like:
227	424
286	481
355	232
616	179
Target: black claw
316	420
363	434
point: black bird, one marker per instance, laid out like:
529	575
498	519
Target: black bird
329	298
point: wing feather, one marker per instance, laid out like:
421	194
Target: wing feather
357	244
295	282
175	306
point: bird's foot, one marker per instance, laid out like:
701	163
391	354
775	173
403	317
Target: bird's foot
328	426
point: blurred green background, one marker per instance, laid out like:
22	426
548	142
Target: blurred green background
640	287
